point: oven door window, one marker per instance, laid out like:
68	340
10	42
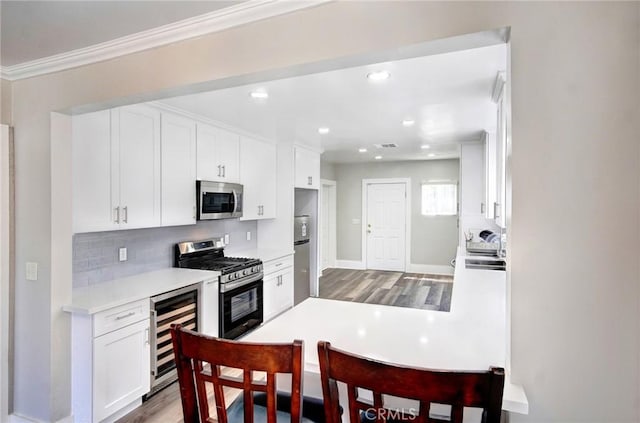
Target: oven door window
243	304
240	310
218	202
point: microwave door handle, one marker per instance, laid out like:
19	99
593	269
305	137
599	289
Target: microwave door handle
235	201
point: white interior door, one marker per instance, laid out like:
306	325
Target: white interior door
386	226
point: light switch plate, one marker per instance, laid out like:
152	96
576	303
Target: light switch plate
248	235
32	271
226	239
122	254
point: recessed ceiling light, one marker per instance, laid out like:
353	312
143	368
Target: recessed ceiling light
425	147
259	94
408	122
431	155
323	130
362	150
378	75
378	157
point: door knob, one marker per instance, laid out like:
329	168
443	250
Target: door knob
368	231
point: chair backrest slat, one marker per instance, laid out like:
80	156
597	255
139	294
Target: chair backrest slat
193	351
480	389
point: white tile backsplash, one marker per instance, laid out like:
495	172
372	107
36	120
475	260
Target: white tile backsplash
95	255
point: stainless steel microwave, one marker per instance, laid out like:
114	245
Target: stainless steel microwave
218	200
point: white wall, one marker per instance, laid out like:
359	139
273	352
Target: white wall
575	167
434	239
327	170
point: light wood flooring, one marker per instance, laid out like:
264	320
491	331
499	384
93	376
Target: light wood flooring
414	290
166	406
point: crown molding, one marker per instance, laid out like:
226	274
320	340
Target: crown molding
243	13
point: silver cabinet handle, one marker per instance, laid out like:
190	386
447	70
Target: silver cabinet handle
124	316
219	170
495	210
194	212
278	264
125	214
146	336
310	180
224	171
116	213
481	207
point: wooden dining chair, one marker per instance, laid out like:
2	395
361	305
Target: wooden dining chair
459	389
194	350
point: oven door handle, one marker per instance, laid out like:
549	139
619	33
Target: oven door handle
230	286
235	201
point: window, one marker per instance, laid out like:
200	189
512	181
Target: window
440	199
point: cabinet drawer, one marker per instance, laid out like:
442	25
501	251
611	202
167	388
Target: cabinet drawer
277	265
121	316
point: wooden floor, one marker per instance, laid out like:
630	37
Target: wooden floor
166	407
414	290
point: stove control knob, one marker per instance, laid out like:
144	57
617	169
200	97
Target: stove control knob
230	276
246	272
238	275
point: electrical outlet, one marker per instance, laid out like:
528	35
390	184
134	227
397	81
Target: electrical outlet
122	253
248	235
32	271
226	239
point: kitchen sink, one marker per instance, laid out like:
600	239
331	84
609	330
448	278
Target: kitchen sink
485	264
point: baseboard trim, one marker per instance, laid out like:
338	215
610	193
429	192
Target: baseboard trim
350	264
16	418
434	269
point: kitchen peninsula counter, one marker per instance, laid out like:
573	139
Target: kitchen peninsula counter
472	336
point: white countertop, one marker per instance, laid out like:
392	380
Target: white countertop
264	254
95	298
471	336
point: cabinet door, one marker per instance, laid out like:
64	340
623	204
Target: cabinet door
269	296
472	197
307	168
137	132
258	176
178	142
91	171
218	154
227	150
285	295
121	371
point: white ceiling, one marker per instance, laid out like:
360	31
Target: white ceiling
33	30
448	96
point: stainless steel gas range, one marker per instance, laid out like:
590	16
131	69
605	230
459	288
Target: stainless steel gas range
240	284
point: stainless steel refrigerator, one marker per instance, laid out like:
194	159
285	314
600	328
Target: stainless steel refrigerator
302	259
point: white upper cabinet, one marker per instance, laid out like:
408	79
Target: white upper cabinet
258	176
307	168
499	205
135	133
472	174
218	154
178	142
490	164
91	169
116	169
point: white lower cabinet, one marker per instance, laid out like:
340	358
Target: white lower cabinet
111	358
121	368
277	287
